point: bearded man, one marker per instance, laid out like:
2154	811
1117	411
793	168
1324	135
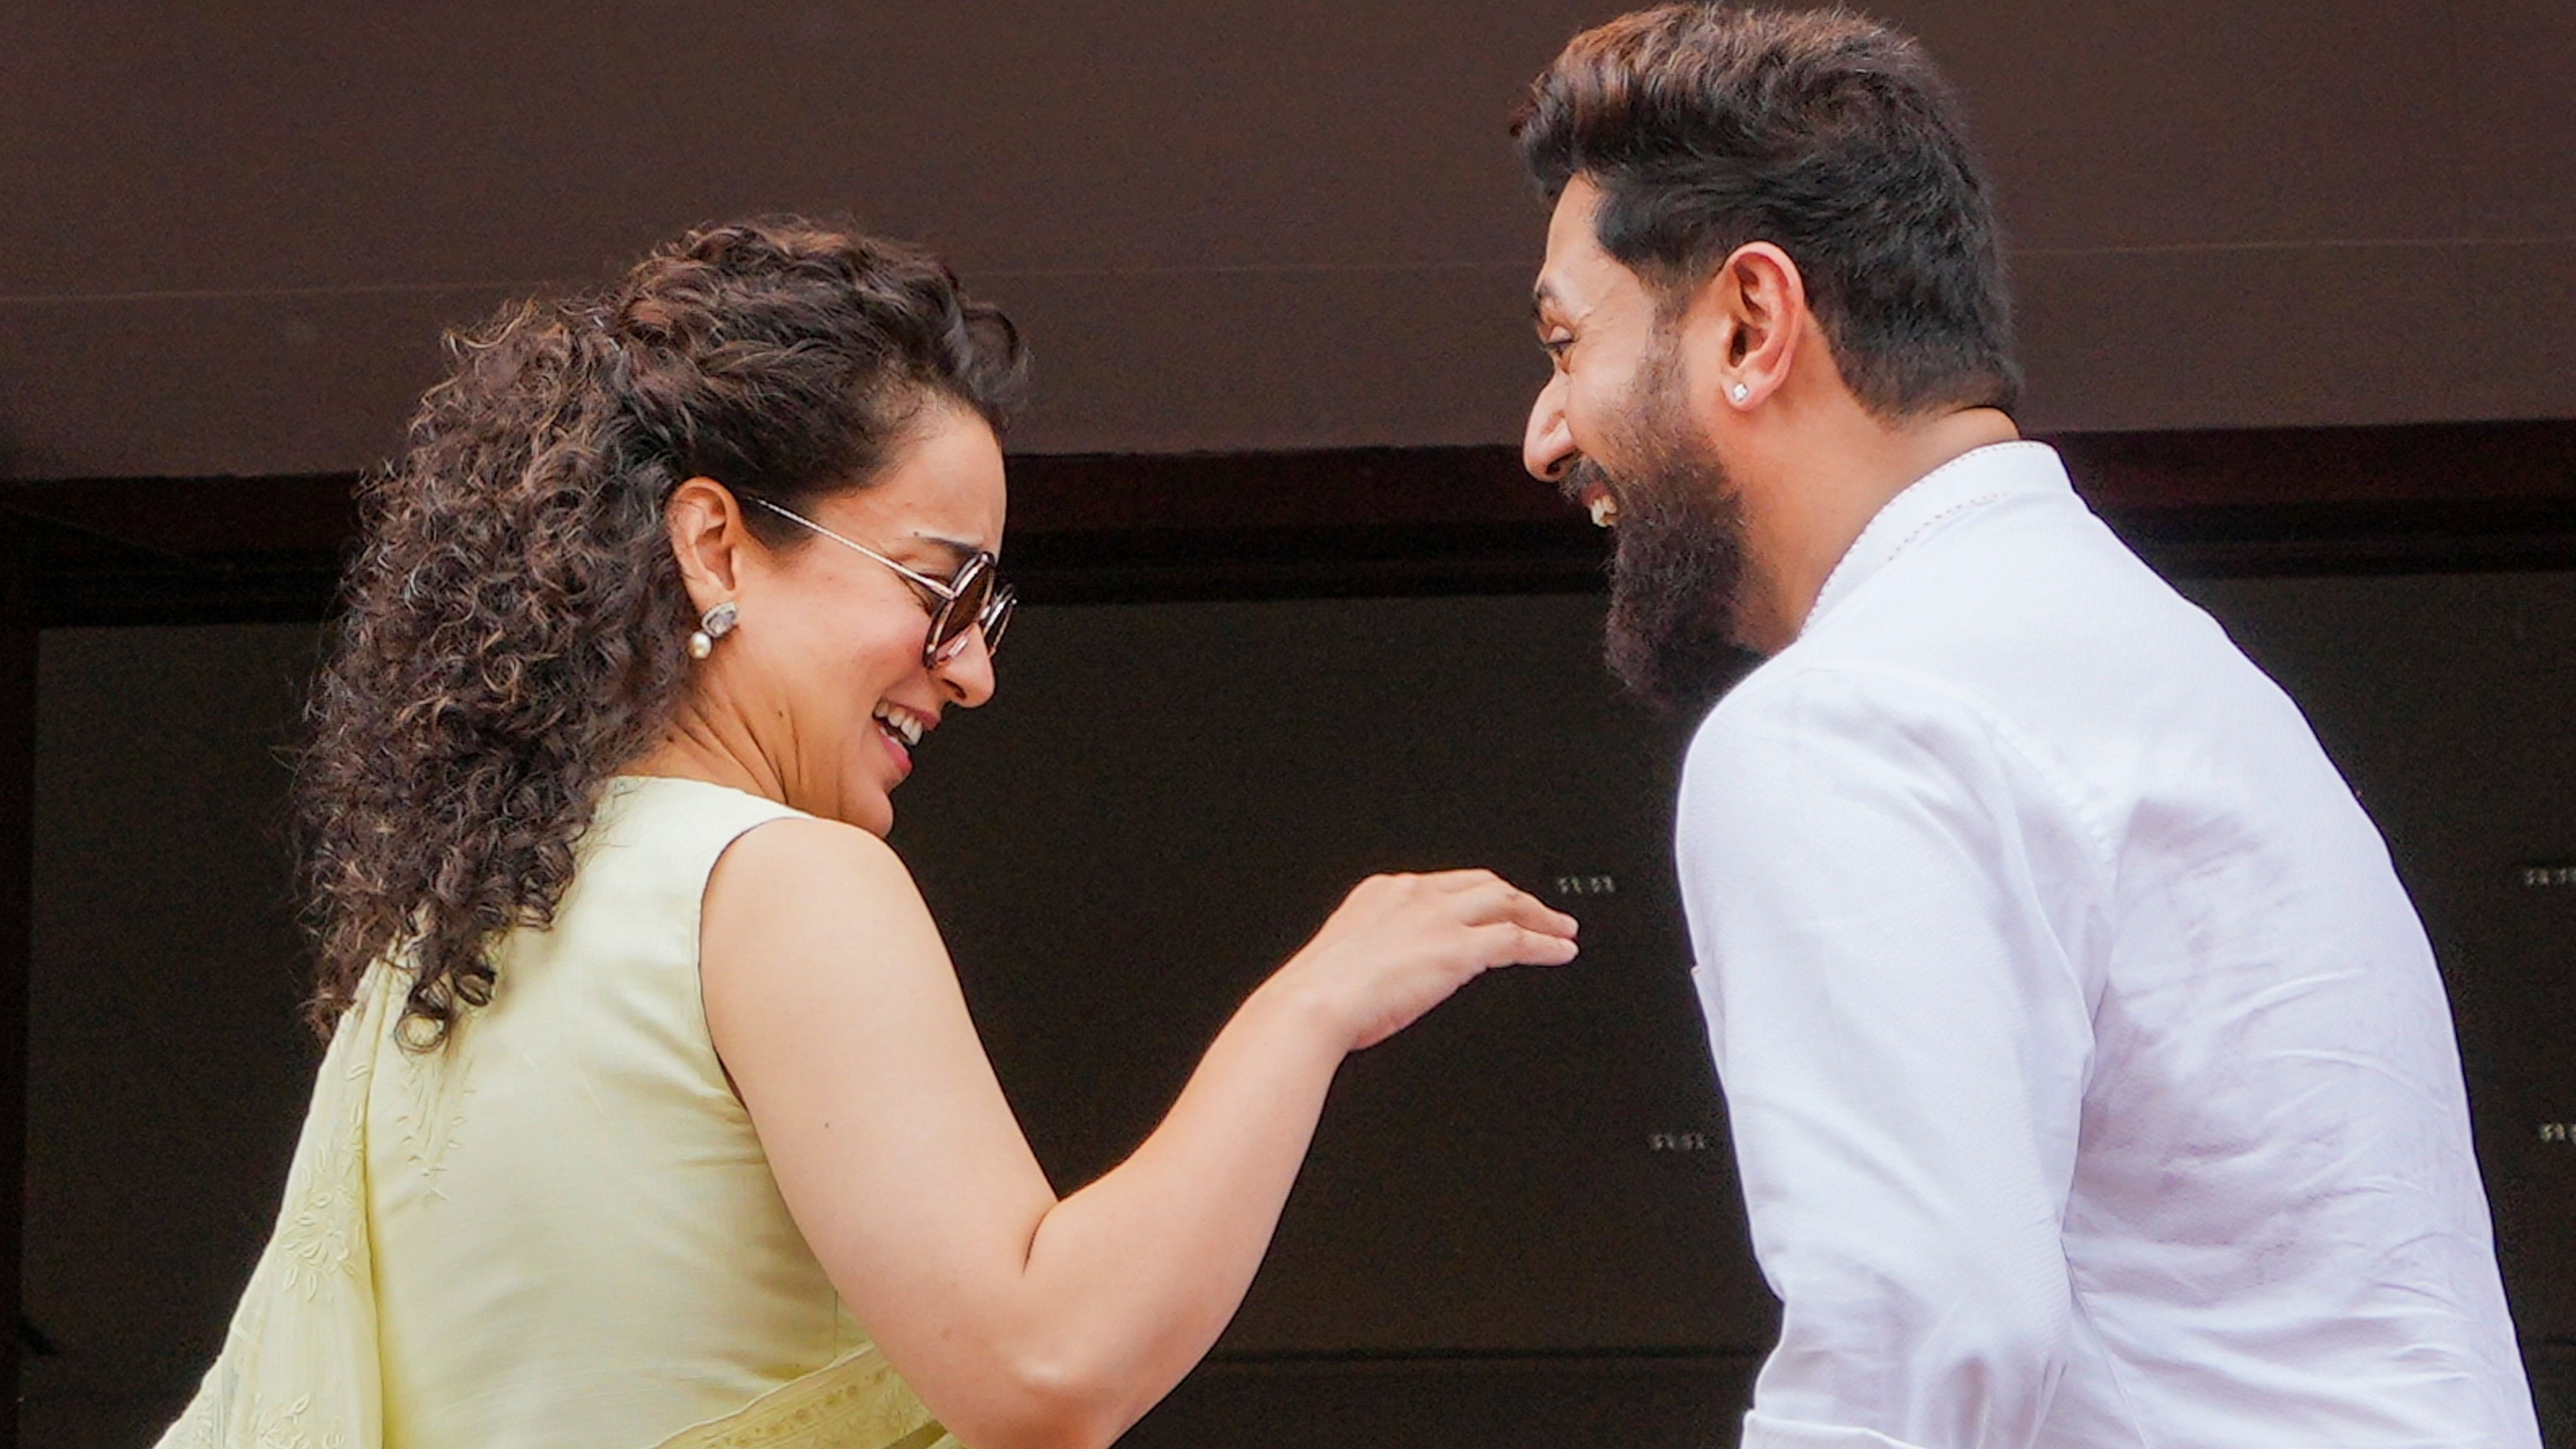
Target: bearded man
2090	1076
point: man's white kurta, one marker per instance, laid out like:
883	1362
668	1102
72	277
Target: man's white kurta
2089	1072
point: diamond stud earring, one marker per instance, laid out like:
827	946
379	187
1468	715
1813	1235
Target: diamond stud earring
713	625
1739	392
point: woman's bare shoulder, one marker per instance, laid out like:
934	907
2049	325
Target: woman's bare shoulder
805	854
803	848
802	895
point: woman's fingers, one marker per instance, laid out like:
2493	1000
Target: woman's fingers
1478	896
1508	943
1400	944
1458	882
1496	899
1530	911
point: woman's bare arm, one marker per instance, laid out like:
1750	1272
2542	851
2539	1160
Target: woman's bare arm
1023	1320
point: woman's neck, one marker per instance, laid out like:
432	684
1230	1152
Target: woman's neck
713	748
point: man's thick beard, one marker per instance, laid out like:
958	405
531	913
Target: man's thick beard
1678	575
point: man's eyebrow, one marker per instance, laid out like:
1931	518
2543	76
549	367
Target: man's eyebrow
1542	297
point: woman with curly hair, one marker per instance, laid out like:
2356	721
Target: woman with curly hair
652	1113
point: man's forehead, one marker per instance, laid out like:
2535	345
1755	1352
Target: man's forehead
1569	226
1577	270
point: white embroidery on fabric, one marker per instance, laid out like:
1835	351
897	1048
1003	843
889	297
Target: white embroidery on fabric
316	1236
857	1403
436	1087
291	1427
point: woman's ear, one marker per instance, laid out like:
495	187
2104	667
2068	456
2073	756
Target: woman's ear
707	539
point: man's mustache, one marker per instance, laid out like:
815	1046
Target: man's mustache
1579	478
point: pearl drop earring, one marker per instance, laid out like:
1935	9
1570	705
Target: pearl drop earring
713	625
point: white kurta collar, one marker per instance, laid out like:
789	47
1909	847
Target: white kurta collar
1961	486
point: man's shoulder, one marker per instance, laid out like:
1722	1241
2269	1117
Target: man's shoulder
1984	598
1811	731
1806	715
1801	690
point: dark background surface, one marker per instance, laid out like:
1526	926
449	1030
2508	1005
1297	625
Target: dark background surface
235	231
2297	282
1496	1241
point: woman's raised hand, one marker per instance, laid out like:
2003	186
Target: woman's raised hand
1021	1319
1400	944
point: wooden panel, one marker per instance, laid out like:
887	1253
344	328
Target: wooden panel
2514	61
2210	121
280	143
233	239
1184	361
2226	337
211	385
283	144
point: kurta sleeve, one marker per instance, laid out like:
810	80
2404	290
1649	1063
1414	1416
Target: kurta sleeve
1903	1045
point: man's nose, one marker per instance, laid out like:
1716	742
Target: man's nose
1547	447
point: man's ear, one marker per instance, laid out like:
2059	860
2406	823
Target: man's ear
707	537
1748	319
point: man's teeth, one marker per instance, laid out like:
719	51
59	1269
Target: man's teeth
1605	510
901	724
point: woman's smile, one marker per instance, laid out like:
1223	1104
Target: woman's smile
901	730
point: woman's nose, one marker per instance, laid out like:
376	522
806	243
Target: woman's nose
968	678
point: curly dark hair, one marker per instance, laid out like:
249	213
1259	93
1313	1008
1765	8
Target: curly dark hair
515	624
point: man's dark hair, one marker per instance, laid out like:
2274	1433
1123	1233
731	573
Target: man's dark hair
1830	136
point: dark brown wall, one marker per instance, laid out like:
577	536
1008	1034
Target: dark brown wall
233	232
231	239
1160	800
167	1070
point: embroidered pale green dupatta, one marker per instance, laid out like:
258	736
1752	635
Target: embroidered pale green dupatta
298	1368
854	1404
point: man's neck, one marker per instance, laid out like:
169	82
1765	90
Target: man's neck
1827	485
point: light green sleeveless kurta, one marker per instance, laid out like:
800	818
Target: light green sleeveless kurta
558	1231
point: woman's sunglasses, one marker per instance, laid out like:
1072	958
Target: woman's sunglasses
973	596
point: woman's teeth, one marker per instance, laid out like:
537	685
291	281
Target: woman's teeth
901	724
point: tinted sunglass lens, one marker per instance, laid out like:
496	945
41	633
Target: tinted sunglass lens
997	618
948	628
